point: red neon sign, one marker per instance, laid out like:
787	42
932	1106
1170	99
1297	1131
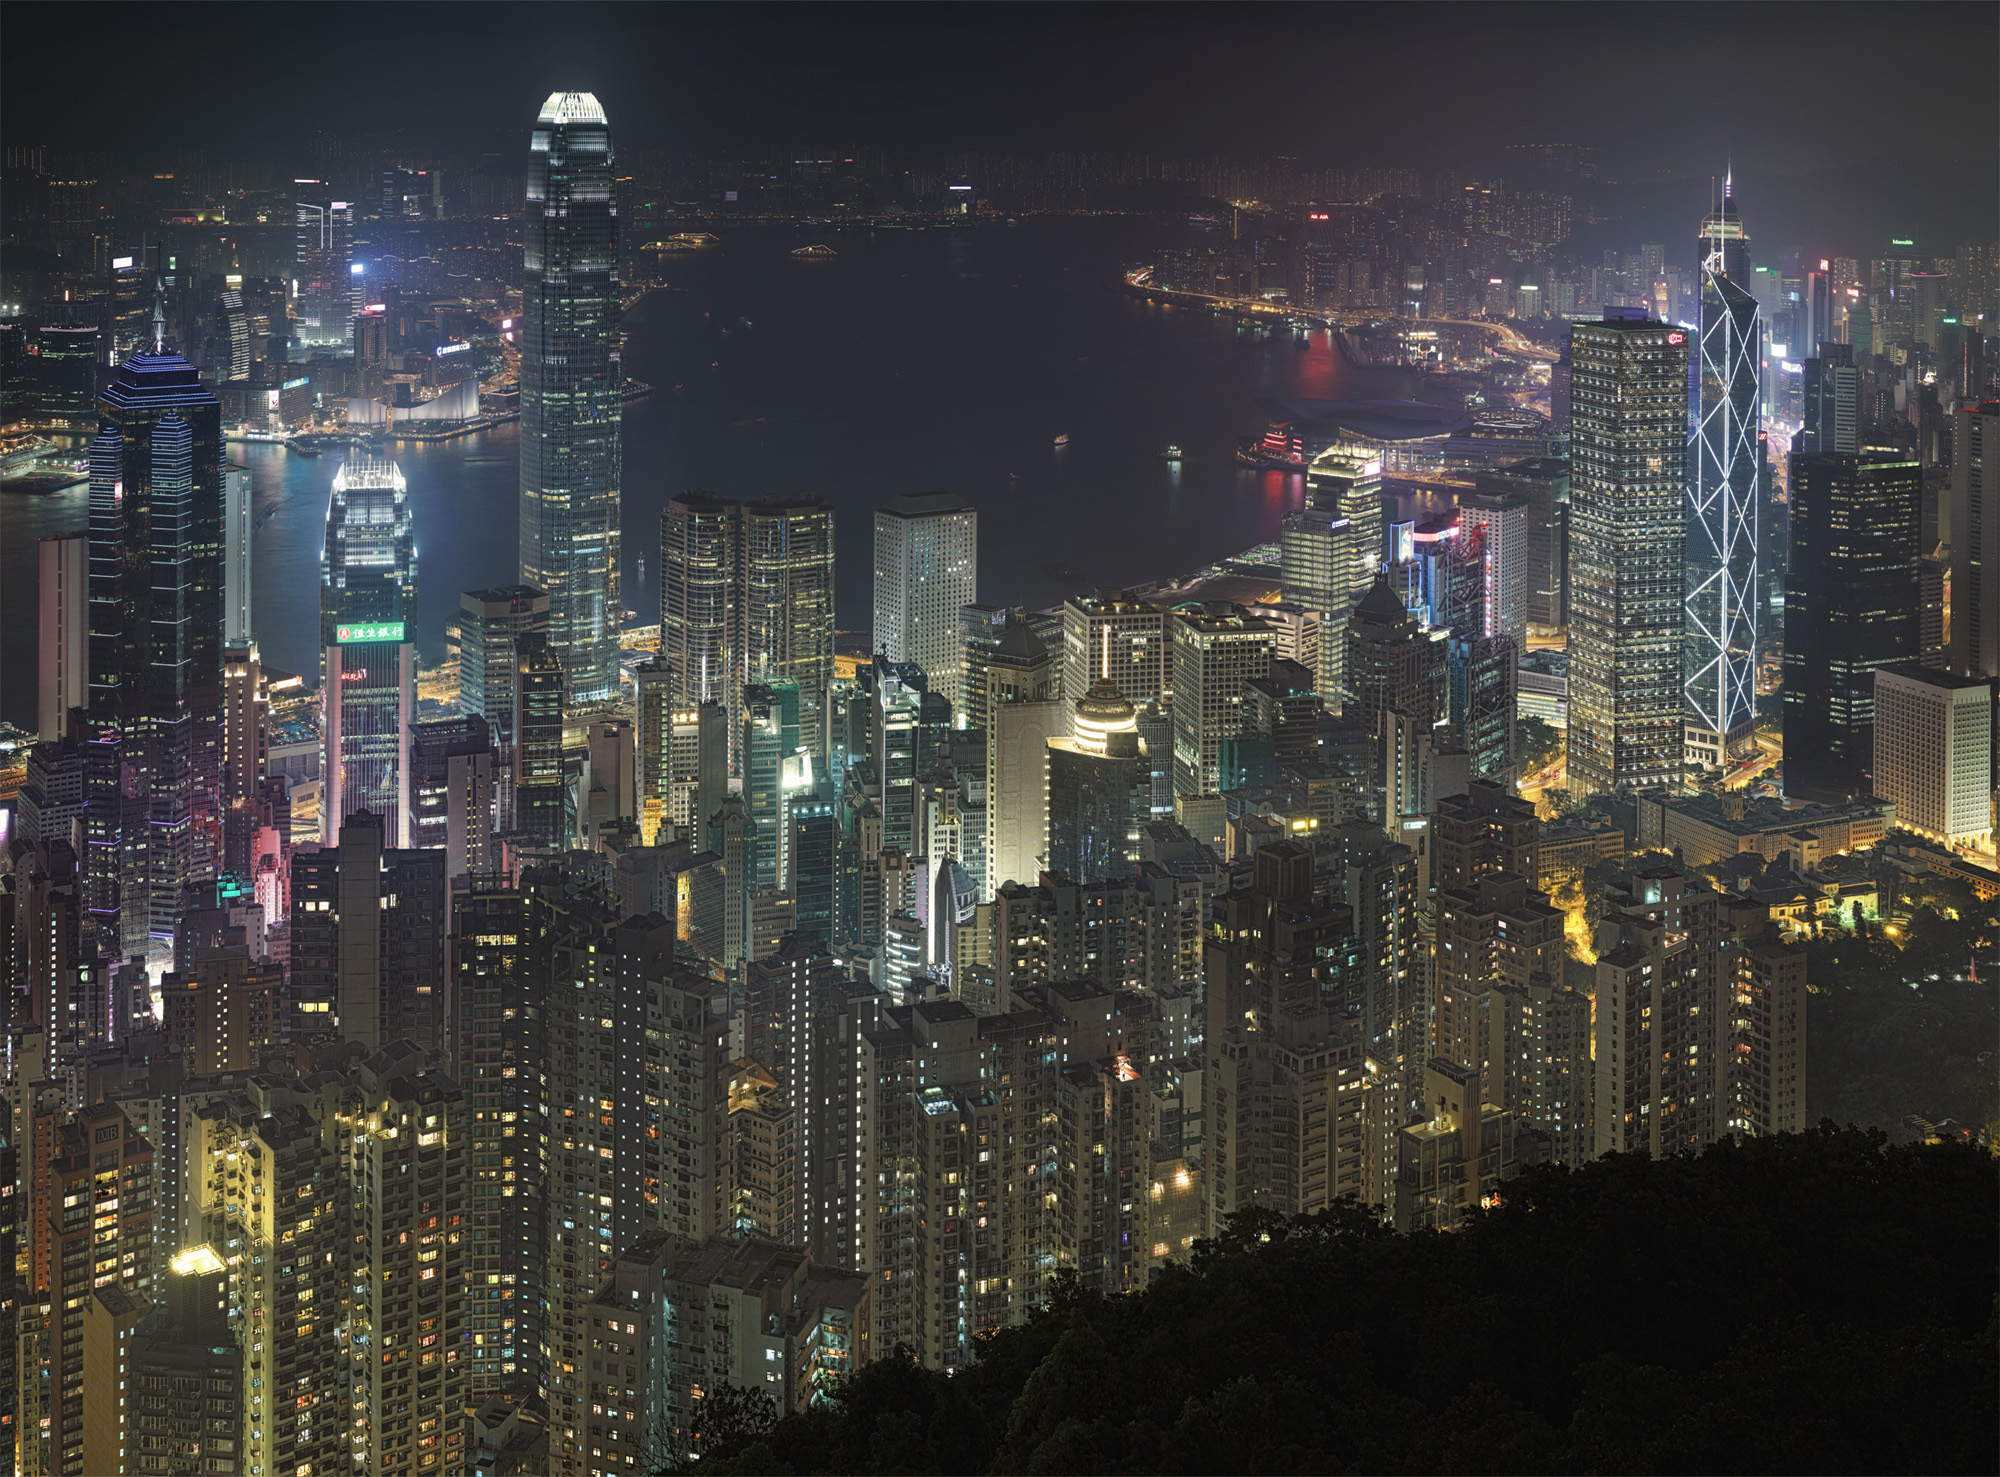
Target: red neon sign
1677	338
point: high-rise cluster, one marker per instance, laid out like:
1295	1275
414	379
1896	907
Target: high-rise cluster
411	1080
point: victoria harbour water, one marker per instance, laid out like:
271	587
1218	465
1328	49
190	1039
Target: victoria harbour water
911	360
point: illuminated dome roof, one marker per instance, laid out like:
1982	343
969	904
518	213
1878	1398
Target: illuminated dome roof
1101	712
572	107
1104	703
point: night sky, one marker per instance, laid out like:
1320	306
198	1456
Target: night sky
1787	88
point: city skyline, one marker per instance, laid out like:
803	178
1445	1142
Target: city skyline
1099	706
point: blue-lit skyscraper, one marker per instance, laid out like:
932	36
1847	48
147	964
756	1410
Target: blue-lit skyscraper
1719	654
155	609
368	690
571	402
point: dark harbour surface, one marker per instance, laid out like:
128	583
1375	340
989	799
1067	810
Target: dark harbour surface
911	360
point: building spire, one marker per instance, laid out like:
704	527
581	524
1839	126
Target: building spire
159	315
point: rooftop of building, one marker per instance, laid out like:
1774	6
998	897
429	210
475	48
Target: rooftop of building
1765	815
923	505
1933	677
564	108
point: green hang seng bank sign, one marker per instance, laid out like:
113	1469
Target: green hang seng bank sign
369	631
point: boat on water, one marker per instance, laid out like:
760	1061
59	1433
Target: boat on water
1171	454
1063	439
814	251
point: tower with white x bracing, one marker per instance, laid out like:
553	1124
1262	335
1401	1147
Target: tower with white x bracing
1719	651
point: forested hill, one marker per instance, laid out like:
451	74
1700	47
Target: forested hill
1823	1303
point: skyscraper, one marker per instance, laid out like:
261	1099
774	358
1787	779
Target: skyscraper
1347	481
1851	606
237	530
1023	712
156	586
787	604
491	622
1316	546
1502	519
1120	638
1975	541
1831	407
1394	663
1216	650
64	635
452	772
1100	788
367	940
1724	244
1662	1017
571	397
1719	650
1934	753
770	738
746	595
700	545
541	799
327	300
99	1234
232	327
1628	517
926	571
368	605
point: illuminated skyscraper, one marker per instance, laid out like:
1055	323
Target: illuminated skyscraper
699	545
746	595
571	401
1347	481
926	572
1317	549
233	333
1719	653
368	603
1628	515
237	531
787	604
1120	638
1216	650
323	278
156	619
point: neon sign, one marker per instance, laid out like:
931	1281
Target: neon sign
1677	338
369	631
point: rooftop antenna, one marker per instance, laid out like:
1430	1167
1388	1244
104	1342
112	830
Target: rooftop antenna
159	316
